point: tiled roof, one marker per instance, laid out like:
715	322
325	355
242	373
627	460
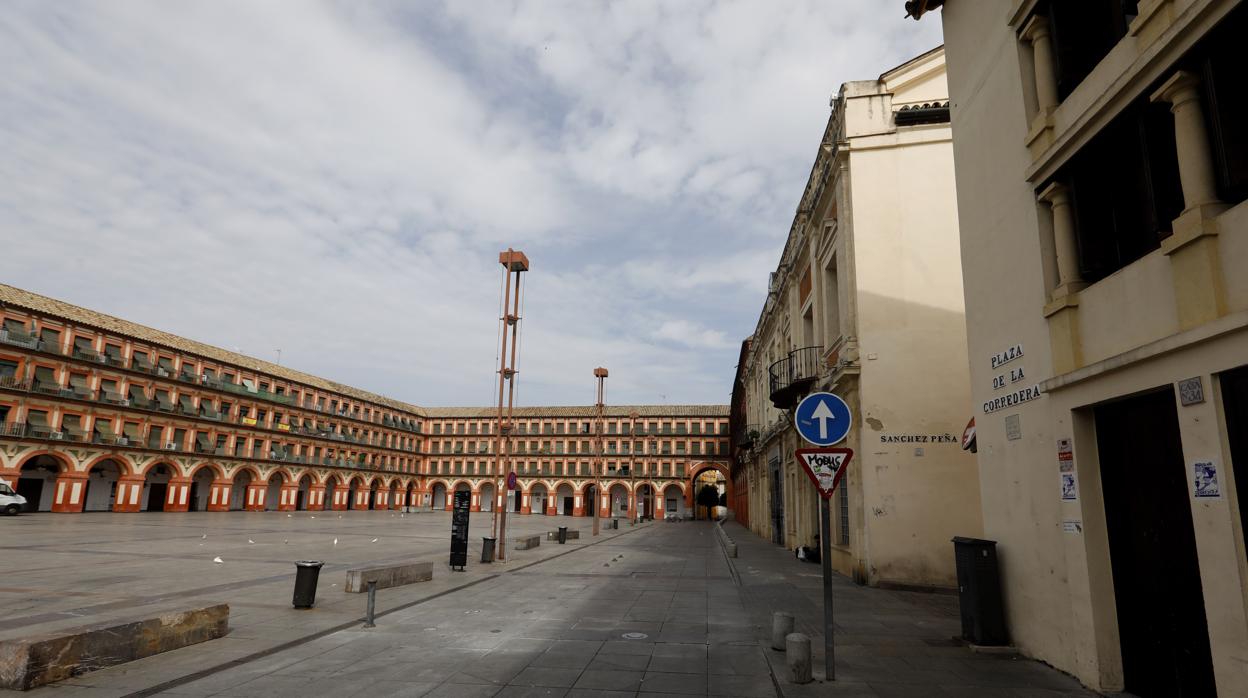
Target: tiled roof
42	305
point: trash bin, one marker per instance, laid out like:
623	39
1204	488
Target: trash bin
487	549
563	535
615	524
979	591
306	574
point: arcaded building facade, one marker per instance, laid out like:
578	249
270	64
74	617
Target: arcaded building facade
101	414
1102	176
866	303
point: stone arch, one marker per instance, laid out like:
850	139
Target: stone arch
37	473
240	478
147	468
565	498
487	496
619	499
539	495
695	471
100	485
645	494
251	469
202	477
127	466
590	497
672	497
438	495
273	491
354	485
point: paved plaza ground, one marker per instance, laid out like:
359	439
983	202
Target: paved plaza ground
652	610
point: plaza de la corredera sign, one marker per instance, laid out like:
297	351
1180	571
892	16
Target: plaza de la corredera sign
1016	374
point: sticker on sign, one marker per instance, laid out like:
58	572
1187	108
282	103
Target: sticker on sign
825	466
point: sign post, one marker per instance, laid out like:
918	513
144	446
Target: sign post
824	419
459	530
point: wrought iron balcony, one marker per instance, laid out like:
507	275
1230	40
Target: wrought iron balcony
791	376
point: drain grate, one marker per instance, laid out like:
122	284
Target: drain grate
635	636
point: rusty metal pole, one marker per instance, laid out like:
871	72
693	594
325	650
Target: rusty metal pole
601	374
632	471
514	263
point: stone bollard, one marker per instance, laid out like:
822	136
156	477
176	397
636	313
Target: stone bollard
732	549
797	657
781	626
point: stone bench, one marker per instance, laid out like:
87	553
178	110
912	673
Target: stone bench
572	535
42	659
527	542
391	574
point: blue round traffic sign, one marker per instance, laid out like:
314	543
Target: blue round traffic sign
822	419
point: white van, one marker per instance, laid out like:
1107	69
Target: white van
10	502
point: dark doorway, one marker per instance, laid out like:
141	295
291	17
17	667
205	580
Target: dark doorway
156	493
516	500
301	500
32	490
194	506
777	505
568	507
1152	549
1235	400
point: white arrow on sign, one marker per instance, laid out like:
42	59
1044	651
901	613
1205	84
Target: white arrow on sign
823	414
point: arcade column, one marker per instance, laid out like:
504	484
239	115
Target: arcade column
219	494
178	494
129	493
70	493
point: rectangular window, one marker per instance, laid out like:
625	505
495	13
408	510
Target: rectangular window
1225	101
1125	189
1084	32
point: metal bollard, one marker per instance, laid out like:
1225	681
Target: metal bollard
781	626
797	657
372	605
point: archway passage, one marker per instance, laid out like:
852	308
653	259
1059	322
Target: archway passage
238	491
645	501
617	495
372	495
301	497
101	486
703	476
487	497
334	494
409	500
565	500
274	491
201	488
37	482
438	498
394	502
156	487
353	493
589	501
537	499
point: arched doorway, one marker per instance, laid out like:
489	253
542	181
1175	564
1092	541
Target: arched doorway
37	483
394	502
408	501
301	497
565	500
273	493
438	496
618	496
332	486
706	481
537	499
645	501
674	502
487	496
238	491
101	484
590	500
156	487
373	488
201	488
353	490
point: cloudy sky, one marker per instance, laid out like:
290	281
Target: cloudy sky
336	179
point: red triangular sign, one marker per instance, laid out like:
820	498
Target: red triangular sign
825	467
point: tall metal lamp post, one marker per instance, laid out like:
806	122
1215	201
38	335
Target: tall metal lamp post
514	264
601	374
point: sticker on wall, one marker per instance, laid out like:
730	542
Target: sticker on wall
1072	526
1205	474
1070	490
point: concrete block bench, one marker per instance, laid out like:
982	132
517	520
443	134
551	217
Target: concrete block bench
527	542
42	659
572	535
391	574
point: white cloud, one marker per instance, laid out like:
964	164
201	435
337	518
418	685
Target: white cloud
335	179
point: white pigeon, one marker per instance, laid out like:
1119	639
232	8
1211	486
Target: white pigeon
402	515
286	541
204	536
374	540
289	516
312	517
218	560
251	541
335	541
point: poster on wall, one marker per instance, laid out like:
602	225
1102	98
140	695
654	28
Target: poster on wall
1070	490
1205	475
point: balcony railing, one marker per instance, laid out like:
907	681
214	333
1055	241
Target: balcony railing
791	376
12	383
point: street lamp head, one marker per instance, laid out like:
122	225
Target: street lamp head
600	372
514	260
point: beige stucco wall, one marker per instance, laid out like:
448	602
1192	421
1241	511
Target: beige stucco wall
1133	333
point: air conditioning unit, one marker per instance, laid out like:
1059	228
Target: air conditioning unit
56	435
171	446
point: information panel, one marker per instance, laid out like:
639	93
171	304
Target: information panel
459	530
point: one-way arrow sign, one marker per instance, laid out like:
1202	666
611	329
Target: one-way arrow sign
825	467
